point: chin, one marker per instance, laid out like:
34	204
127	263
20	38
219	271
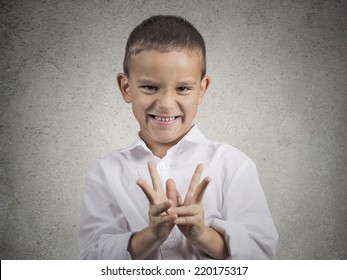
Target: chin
167	140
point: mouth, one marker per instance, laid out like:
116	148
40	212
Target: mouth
164	120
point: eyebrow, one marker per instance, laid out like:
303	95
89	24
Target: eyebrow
146	81
192	83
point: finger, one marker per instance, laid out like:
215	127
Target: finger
164	219
190	210
148	190
156	210
156	181
188	221
200	190
197	175
172	192
194	183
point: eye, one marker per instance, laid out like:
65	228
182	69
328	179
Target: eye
183	89
149	89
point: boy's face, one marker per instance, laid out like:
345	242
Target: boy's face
165	90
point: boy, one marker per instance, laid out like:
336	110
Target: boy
132	208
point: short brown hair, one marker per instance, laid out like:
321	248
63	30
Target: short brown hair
164	33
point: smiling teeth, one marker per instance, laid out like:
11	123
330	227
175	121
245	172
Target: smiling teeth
170	119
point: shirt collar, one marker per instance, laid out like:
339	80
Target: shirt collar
194	135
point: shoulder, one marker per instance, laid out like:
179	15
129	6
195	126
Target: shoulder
112	160
228	153
215	148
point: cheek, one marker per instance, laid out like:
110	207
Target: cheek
137	110
139	107
191	106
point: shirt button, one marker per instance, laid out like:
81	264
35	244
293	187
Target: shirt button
162	166
168	245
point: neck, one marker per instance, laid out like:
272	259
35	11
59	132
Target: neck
160	150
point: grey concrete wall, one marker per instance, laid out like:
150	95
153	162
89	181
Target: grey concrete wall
278	93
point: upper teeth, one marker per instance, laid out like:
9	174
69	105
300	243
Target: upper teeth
169	119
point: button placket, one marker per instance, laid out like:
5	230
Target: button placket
170	241
163	169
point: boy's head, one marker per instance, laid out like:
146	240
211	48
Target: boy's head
164	33
164	79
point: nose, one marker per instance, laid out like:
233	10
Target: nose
166	100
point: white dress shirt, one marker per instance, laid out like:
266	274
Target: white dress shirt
114	207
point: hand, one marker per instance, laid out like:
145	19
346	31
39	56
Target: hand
160	222
190	213
190	218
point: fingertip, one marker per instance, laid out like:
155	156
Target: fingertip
170	183
173	216
178	221
200	166
180	202
169	203
139	182
170	180
206	181
170	211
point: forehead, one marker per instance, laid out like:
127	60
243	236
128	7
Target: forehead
171	63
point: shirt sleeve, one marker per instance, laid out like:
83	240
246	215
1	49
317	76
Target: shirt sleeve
104	232
246	222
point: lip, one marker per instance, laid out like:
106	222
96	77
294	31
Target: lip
163	120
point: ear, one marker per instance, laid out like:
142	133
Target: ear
204	84
124	87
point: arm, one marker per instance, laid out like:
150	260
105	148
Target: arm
246	222
150	238
104	230
212	243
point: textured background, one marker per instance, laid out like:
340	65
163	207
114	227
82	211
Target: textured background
278	93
